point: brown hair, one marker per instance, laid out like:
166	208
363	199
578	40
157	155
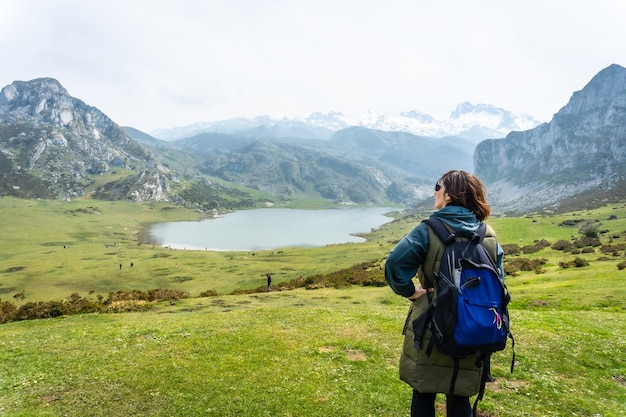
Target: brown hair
465	190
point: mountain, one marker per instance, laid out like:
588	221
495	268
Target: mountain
145	139
259	127
356	165
579	154
290	170
467	121
416	155
53	145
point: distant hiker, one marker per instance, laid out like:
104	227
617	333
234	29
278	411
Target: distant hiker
131	264
269	282
120	267
461	206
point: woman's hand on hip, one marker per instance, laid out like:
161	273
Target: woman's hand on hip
419	291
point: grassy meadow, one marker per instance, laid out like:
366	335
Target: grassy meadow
323	352
51	249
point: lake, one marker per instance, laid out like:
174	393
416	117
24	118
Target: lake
263	229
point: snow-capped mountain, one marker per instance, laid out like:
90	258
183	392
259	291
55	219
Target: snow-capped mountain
471	122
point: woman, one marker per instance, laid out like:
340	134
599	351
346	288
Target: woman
460	203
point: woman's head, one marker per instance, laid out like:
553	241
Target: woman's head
460	188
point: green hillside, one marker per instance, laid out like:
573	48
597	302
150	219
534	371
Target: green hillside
318	352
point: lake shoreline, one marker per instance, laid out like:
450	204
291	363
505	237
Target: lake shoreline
267	229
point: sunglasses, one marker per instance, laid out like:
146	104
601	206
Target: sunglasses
439	186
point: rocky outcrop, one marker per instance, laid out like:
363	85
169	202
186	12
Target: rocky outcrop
61	143
582	148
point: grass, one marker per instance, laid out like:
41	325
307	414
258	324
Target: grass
269	354
292	353
51	249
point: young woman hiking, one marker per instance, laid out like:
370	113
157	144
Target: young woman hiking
461	205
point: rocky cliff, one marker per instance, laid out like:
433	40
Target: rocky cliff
53	145
580	151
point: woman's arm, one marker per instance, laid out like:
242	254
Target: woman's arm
404	261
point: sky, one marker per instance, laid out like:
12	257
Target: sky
154	64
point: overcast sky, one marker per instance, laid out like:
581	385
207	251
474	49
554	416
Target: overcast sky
159	64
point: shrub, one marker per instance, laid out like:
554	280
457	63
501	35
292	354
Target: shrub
127	306
536	247
589	229
125	296
117	302
40	310
365	274
570	222
512	266
511	249
621	265
580	262
7	311
577	263
542	243
563	245
75	304
587	241
613	248
166	294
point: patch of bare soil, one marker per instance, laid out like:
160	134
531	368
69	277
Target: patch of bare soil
355	355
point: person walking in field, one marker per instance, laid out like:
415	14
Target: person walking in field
461	206
269	283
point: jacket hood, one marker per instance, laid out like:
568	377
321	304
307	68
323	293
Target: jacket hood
458	218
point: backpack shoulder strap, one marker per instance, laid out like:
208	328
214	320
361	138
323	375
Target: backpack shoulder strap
439	238
432	260
490	242
482	231
445	236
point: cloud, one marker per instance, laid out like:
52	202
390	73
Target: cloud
152	64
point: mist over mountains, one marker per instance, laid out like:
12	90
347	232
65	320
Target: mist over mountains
53	145
471	122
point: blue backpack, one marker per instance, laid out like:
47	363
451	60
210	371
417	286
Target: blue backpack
469	314
470	311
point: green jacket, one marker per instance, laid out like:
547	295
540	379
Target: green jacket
420	253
